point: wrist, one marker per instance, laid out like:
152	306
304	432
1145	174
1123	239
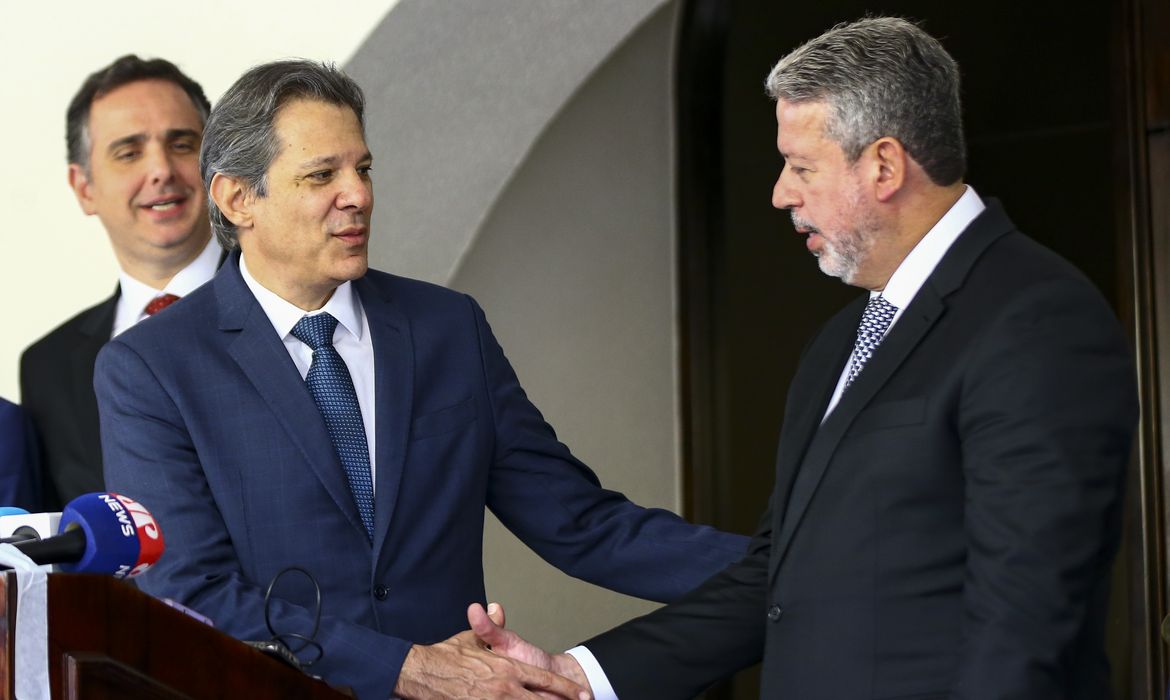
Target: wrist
567	666
406	686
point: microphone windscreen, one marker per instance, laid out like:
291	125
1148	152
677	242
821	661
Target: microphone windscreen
150	539
121	537
12	510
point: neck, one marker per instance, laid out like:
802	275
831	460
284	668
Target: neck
915	216
305	298
159	271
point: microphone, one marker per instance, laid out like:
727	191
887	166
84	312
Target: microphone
101	533
19	525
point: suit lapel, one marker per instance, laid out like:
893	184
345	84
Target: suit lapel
809	395
393	396
260	353
95	332
914	324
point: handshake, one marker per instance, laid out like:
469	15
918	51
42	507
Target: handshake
488	661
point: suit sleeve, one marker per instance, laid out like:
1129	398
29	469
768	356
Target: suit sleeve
556	505
1046	420
679	650
150	456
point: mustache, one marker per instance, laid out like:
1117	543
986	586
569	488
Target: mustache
803	224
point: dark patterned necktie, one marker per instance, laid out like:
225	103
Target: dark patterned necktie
159	303
332	390
874	322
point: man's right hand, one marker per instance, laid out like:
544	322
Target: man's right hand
489	628
463	668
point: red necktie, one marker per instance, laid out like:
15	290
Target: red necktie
159	303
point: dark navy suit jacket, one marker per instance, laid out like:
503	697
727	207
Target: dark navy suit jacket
207	422
19	477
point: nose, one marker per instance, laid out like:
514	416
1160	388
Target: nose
160	167
783	195
357	192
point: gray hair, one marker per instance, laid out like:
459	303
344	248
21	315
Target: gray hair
881	76
240	138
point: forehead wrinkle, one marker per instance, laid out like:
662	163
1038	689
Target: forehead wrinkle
331	160
321	160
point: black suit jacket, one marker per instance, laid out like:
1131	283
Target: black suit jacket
56	388
947	531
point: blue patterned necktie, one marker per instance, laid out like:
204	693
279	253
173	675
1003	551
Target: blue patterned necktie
332	390
874	322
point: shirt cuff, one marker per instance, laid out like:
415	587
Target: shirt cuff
598	682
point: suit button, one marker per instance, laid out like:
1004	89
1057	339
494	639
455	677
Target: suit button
774	613
380	592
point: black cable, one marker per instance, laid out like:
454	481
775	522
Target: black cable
281	637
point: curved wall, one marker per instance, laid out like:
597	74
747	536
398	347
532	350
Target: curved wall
523	153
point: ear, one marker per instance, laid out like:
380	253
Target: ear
80	184
233	198
890	161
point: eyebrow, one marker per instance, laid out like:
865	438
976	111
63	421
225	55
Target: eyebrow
173	134
170	135
125	141
330	160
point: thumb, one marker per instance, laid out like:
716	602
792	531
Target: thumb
485	627
496	613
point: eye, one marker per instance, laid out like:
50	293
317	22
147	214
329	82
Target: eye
320	176
184	147
126	155
365	170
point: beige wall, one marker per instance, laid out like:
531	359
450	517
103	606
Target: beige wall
55	261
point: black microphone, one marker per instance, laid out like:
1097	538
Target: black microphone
22	533
58	549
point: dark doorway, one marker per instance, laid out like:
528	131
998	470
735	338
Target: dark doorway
1051	133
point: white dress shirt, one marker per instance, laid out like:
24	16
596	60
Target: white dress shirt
135	295
351	339
903	285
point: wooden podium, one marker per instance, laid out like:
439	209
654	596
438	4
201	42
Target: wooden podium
107	639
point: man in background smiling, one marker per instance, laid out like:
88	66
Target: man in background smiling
133	132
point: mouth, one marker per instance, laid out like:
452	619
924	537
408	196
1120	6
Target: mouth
352	235
164	205
812	235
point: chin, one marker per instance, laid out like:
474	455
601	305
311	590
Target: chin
353	269
174	235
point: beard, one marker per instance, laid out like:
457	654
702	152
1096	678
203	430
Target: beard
842	252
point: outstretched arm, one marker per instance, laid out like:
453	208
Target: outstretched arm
556	505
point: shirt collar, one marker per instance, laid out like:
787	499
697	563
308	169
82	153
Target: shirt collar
185	281
135	295
344	306
926	255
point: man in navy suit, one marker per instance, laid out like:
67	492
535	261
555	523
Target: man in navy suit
949	475
19	480
302	410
